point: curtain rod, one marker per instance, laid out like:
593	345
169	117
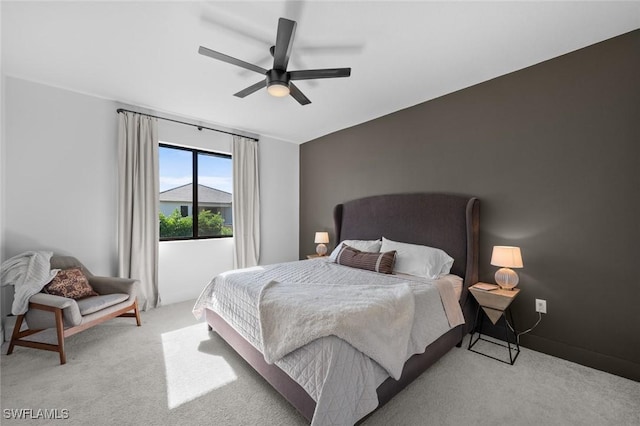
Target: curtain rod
119	110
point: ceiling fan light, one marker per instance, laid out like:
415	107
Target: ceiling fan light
278	90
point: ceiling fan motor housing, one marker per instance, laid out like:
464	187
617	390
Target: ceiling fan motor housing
279	77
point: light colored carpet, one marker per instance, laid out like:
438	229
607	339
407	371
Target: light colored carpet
172	371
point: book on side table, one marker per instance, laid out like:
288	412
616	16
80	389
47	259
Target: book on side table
486	286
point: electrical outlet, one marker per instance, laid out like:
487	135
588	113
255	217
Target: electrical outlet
541	306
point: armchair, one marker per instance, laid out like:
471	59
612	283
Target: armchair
116	298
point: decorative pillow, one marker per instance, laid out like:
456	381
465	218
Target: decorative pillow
71	283
418	260
377	262
372	246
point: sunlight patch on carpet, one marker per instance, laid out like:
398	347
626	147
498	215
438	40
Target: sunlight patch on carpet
190	372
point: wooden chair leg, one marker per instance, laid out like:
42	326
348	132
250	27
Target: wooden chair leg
137	312
18	335
16	332
60	331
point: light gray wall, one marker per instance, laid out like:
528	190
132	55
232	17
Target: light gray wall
3	138
60	174
5	305
59	188
552	151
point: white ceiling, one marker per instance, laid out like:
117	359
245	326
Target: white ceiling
401	53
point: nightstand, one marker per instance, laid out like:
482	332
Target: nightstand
314	256
495	305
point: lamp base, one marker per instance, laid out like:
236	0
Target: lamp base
507	278
321	249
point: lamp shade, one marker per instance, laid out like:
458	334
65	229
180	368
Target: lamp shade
322	238
506	257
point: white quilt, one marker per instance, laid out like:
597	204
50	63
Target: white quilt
376	320
341	379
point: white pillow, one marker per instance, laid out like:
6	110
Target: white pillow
421	261
372	246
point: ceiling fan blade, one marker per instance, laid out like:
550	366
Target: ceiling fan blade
230	60
253	88
284	41
300	64
298	95
324	73
266	59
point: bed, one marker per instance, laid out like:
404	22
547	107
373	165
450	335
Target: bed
445	221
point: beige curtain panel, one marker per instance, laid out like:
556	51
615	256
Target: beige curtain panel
138	191
246	203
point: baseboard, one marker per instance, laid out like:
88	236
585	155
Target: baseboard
609	364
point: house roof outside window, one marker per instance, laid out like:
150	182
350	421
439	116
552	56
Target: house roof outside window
206	195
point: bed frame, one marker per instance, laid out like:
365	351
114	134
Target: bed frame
446	221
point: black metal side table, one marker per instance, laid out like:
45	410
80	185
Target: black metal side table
495	304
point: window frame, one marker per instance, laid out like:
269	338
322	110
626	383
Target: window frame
194	179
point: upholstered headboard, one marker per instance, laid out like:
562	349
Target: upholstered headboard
446	221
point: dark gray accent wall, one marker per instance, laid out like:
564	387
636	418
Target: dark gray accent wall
553	153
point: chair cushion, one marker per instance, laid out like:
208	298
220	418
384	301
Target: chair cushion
71	283
93	304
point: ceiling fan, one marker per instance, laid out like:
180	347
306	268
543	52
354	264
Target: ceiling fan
279	81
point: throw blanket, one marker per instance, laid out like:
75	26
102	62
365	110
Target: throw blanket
28	273
376	320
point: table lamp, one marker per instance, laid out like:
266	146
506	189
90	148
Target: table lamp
322	238
506	257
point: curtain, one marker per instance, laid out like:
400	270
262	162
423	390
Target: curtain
246	203
138	193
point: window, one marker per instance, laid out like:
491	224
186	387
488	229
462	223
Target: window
191	181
